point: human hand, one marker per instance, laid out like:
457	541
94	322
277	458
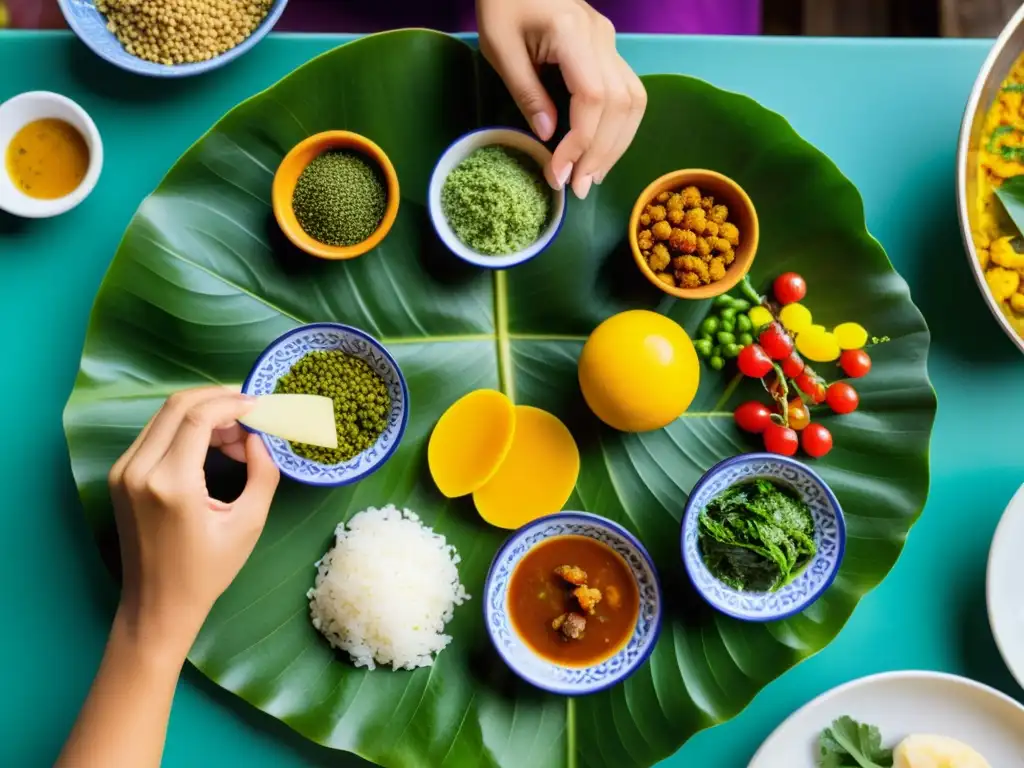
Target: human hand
607	98
180	548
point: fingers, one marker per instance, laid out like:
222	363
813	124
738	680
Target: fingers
606	107
154	440
581	70
619	121
262	481
197	429
511	59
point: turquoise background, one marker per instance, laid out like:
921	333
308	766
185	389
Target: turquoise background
887	112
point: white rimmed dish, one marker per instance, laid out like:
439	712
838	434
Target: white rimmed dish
539	670
19	111
1003	582
459	151
899	704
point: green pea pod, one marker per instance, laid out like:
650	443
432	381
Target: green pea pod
731	350
729	325
717	351
744	339
741	305
709	326
729	313
703	347
724	337
744	324
725	300
717	363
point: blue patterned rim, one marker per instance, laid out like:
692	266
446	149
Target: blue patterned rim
810	584
435	214
312	473
90	27
540	672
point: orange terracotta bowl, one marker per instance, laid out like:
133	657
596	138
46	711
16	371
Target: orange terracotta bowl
741	213
295	163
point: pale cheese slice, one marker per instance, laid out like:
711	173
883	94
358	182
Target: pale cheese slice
296	418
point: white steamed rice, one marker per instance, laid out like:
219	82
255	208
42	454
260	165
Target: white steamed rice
386	589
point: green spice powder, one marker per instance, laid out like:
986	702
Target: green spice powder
361	401
339	198
496	201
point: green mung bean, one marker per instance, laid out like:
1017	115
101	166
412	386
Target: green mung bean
496	201
339	198
361	401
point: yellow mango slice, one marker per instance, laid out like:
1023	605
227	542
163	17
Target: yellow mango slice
537	476
850	335
759	316
470	441
795	317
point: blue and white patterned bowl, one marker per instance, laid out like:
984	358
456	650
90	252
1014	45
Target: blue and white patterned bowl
829	535
91	27
534	669
282	354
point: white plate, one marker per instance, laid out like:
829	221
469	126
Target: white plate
1004	582
901	703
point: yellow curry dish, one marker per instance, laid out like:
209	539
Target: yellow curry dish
1000	157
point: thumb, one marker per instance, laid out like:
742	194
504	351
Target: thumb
512	61
262	479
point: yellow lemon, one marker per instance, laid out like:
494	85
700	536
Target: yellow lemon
760	316
638	371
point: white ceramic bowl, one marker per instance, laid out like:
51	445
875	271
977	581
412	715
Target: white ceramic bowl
459	151
25	108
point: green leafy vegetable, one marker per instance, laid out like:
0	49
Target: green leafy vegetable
756	536
1011	195
849	744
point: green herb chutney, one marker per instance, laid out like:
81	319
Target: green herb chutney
339	198
361	401
757	536
496	201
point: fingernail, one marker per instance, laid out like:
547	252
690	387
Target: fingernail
582	187
564	176
598	178
249	398
542	125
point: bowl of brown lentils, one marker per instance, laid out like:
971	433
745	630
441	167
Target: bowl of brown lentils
694	233
171	38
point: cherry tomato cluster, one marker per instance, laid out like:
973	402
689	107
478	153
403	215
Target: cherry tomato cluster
772	358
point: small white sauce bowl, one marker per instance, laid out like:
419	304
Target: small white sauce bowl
459	151
15	114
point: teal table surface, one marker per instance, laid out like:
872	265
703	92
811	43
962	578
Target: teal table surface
887	112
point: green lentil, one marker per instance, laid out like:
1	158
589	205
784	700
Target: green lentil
339	198
361	401
496	201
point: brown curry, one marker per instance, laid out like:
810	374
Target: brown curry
574	601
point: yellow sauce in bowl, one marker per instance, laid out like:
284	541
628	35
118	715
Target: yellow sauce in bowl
47	159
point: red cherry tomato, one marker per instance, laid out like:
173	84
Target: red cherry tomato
842	398
776	342
816	441
793	365
855	363
752	417
780	439
753	361
789	287
811	387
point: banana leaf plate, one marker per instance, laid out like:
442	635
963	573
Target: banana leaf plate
202	281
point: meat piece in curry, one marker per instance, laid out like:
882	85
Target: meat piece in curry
587	597
574	575
571	625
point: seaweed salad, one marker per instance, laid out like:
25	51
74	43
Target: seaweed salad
756	536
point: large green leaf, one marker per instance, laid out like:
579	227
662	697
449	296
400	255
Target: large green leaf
202	282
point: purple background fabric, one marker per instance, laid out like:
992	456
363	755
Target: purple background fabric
706	17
